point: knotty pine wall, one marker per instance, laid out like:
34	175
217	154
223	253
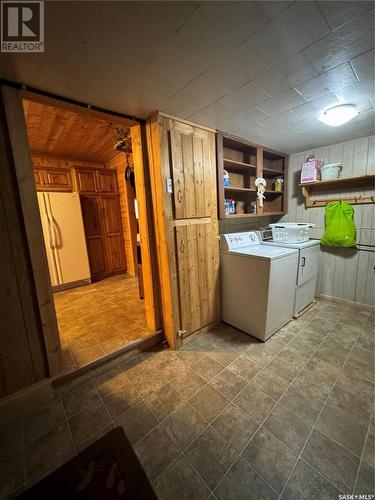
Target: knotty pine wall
343	273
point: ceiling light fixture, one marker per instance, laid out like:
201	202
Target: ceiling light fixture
338	115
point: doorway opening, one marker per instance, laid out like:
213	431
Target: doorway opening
84	171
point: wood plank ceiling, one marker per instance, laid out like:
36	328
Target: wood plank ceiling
62	133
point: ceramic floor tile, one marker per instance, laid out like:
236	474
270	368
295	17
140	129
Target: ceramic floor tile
228	383
99	314
356	408
244	368
365	481
184	425
187	383
255	403
271	384
302	405
290	429
270	458
211	456
235	426
181	481
208	402
307	484
120	401
155	452
87	422
137	422
207	368
148	382
164	401
171	367
11	436
335	463
79	397
243	482
369	451
342	429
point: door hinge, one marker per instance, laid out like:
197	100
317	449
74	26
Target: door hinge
181	333
169	186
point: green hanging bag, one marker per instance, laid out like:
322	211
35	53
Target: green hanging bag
339	225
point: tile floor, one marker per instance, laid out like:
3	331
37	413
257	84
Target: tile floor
98	319
225	416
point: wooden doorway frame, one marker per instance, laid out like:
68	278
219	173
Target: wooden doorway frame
25	178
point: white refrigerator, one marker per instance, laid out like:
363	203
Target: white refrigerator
64	238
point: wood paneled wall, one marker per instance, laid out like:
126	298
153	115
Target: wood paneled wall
343	273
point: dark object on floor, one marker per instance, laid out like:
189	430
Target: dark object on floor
107	470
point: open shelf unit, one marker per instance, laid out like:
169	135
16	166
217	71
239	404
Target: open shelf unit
345	187
244	162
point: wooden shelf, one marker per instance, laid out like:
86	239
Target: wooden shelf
340	184
245	161
270	172
238	165
239	189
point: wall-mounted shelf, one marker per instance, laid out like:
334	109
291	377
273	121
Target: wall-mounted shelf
344	187
245	161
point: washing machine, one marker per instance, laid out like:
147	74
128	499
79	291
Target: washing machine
257	284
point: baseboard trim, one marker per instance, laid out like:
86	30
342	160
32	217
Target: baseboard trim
351	303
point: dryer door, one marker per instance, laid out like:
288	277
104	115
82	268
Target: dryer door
308	264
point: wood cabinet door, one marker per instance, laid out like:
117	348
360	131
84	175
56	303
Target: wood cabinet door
39	178
57	179
96	249
86	181
193	170
198	274
107	181
113	234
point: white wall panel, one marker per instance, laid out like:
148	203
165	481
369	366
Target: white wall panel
344	273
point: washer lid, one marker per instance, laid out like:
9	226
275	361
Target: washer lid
264	252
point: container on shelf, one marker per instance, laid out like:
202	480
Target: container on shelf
279	184
331	171
230	206
291	232
226	178
310	170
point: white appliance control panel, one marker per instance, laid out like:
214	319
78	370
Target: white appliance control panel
239	240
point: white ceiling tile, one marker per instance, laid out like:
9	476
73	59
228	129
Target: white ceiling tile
252	115
289	73
328	82
195	96
347	42
228	126
245	97
296	27
357	93
237	68
282	120
338	13
363	65
273	9
211	114
282	102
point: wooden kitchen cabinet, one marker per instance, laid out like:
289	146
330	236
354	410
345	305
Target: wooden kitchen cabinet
53	179
86	180
101	212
